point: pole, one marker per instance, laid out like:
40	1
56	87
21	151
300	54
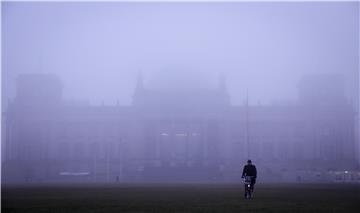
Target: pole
95	163
107	161
247	125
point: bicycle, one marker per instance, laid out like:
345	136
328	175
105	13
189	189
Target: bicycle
248	188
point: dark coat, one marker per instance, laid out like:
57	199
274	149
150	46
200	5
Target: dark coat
249	170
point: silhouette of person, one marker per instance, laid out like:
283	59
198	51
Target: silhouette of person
250	170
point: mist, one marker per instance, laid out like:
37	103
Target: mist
179	92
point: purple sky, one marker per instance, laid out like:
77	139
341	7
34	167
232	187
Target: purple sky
97	49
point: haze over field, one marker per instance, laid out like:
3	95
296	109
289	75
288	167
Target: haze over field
180	92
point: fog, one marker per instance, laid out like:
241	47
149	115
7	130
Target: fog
179	91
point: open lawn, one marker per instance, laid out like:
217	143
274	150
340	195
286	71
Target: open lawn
180	198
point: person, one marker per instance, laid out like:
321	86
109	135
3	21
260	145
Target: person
250	170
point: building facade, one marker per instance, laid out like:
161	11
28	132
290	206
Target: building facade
175	135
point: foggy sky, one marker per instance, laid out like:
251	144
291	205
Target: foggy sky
98	49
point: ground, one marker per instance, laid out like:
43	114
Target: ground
180	198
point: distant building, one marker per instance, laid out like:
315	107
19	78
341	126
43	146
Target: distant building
178	135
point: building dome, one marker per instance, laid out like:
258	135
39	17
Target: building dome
179	88
180	78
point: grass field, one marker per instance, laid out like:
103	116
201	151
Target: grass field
181	198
